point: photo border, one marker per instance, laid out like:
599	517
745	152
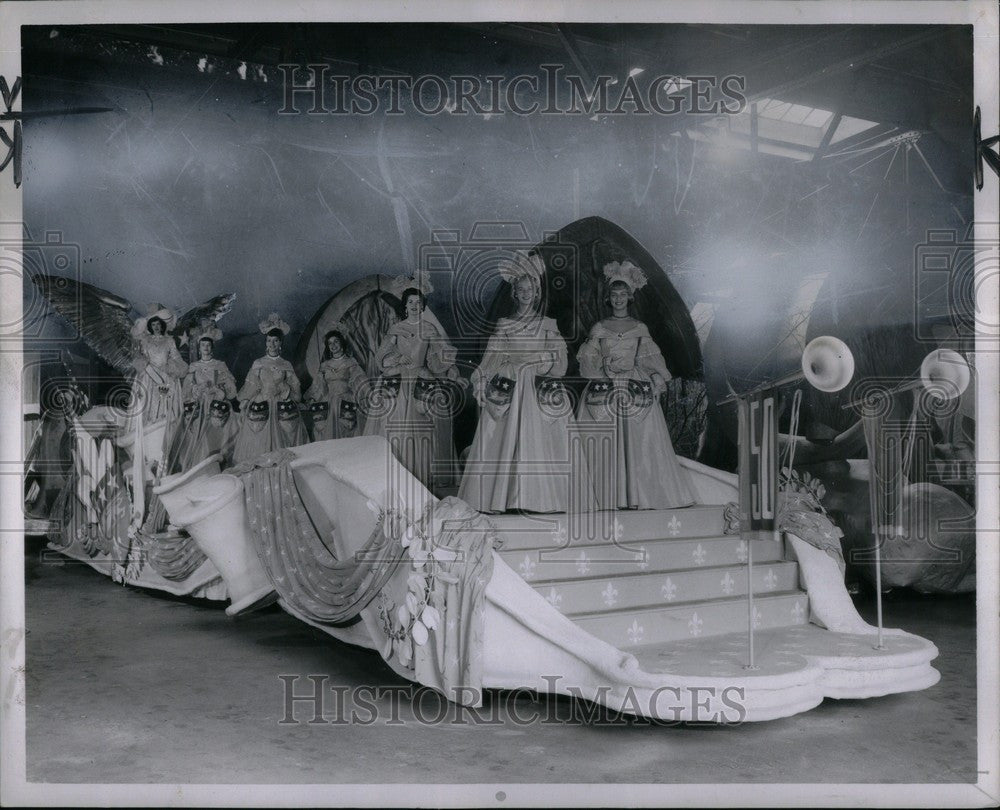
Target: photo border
14	789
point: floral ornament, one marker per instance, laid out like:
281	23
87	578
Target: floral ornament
806	485
411	623
733	518
273	321
522	265
625	272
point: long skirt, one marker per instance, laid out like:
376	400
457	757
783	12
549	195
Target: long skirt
523	458
629	452
396	414
260	430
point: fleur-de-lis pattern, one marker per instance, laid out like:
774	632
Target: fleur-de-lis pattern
618	531
610	595
559	535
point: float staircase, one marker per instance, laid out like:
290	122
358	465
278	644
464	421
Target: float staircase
652	577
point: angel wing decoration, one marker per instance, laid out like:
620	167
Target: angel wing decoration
102	319
212	309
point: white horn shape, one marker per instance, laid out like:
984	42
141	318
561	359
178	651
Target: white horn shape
827	363
212	511
946	373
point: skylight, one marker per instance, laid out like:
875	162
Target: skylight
784	128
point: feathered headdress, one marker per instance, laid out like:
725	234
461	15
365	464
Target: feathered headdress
627	273
420	282
274	321
166	315
522	265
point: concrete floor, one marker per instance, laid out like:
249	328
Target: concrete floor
128	686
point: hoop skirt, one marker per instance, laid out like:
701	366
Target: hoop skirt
522	456
405	405
270	420
629	450
334	397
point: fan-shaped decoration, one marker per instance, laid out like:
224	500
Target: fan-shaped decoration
363	311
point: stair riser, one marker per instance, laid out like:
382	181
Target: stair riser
661	556
556	531
713	618
656	589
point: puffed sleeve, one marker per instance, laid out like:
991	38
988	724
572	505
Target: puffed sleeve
488	366
440	353
141	358
227	381
251	385
176	366
554	342
589	356
649	358
294	386
187	385
319	390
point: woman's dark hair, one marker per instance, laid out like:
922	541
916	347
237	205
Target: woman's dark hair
406	294
156	319
275	333
206	339
333	333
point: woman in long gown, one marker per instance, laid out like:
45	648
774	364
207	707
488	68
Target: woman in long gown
335	391
414	360
269	400
159	367
208	389
627	375
202	430
520	456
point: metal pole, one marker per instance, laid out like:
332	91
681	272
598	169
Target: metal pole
874	505
750	661
878	590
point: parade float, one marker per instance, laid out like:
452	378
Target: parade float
690	603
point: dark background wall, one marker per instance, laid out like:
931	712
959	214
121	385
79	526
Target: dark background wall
194	185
